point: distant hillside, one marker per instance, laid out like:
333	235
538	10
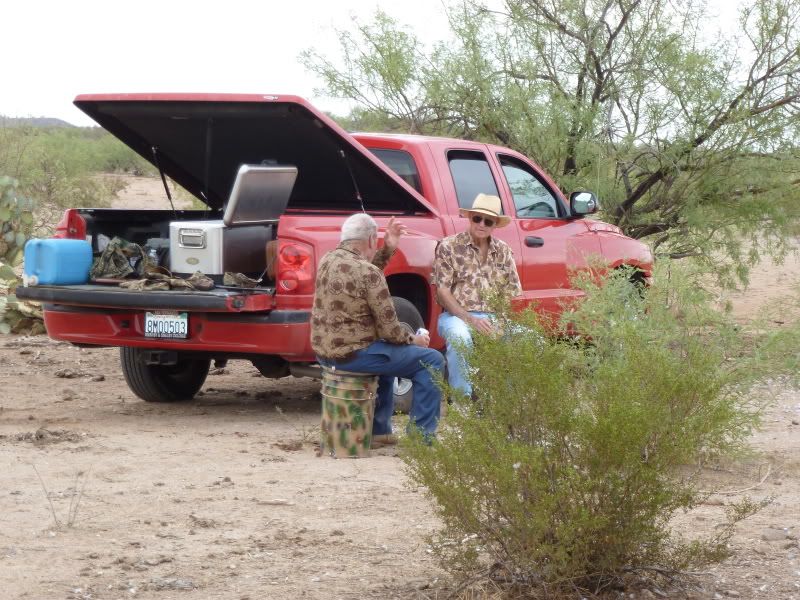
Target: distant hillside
32	122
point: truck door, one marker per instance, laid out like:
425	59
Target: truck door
472	174
552	245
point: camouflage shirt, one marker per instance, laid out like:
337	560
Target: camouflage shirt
457	267
352	305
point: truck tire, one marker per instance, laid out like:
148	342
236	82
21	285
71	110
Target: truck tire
163	383
408	314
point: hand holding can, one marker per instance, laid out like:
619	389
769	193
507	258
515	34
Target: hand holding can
422	337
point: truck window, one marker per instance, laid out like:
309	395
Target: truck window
471	176
402	163
532	198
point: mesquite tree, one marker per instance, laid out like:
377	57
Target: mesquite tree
688	135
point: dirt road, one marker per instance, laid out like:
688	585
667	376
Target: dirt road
220	498
106	496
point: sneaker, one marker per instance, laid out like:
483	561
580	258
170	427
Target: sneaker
383	439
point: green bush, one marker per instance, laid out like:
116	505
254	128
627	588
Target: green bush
16	225
579	451
60	166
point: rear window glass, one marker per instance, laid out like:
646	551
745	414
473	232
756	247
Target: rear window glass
471	176
401	163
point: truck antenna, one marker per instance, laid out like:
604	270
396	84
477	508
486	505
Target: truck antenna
353	179
154	149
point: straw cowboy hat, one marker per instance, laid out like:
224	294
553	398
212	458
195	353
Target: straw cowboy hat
489	206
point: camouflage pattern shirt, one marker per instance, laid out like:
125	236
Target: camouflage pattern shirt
352	305
457	267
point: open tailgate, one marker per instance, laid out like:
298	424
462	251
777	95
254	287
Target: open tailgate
105	296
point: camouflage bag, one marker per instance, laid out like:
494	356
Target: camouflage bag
239	280
139	285
158	278
120	259
199	281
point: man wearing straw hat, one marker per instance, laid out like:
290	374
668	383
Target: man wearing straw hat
467	267
354	326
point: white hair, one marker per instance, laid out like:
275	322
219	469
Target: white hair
359	226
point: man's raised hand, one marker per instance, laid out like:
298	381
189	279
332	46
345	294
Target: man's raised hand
394	231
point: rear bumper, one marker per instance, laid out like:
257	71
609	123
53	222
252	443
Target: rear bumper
284	333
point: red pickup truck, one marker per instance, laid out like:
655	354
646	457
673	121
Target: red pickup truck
202	140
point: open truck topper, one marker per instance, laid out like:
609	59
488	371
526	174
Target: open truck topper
201	140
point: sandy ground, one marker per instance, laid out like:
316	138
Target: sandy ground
148	192
773	293
106	496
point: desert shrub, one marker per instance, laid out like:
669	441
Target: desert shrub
52	185
16	225
16	222
59	166
566	472
109	155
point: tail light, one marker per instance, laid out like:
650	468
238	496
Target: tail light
72	225
295	268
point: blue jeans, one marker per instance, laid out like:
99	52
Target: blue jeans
399	360
457	334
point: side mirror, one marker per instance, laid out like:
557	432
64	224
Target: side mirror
583	203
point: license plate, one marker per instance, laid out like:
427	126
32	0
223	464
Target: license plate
166	325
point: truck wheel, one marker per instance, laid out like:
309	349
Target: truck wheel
408	314
162	383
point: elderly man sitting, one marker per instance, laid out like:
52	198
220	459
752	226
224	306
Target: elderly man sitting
468	267
354	325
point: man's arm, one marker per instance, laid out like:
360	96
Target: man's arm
394	231
381	306
382	256
514	287
449	303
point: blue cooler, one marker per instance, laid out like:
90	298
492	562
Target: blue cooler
57	262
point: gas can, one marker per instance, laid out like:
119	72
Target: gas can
57	262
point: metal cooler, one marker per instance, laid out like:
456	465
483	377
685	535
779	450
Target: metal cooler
214	248
236	243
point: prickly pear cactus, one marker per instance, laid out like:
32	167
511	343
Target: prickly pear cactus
16	225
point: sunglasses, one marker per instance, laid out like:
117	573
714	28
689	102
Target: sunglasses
477	219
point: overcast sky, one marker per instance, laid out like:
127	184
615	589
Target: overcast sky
53	50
